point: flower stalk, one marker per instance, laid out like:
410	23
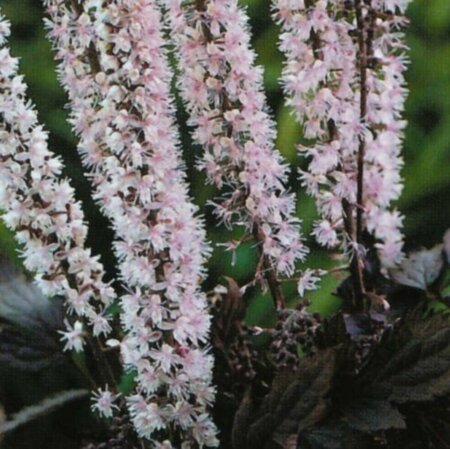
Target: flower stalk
362	60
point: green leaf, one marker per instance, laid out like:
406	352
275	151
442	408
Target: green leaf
127	382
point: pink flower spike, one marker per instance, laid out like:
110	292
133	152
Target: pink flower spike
122	111
42	209
229	118
322	79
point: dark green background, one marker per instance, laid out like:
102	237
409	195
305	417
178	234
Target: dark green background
427	146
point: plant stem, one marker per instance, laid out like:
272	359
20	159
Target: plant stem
270	274
104	368
364	47
362	44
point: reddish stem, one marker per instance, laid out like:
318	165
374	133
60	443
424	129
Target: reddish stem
362	53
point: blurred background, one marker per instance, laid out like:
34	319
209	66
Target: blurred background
425	199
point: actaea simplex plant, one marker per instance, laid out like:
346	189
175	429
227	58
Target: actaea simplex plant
201	376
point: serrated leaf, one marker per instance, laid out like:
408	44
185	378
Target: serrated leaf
413	363
428	376
298	400
420	269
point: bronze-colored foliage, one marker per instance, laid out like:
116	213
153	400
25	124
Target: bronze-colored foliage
29	323
297	400
328	404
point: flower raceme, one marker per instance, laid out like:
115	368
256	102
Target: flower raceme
41	208
222	91
343	78
114	69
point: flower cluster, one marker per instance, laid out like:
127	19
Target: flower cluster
222	90
344	79
42	210
114	68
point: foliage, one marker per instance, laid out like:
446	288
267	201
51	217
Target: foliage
328	403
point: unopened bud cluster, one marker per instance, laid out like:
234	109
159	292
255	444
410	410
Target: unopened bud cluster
294	334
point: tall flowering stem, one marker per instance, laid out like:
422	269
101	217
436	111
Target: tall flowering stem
364	41
114	68
344	79
222	91
41	208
